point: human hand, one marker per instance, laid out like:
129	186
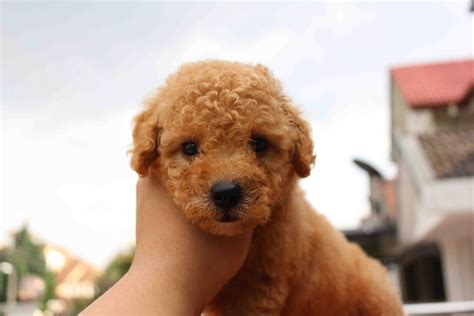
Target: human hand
178	268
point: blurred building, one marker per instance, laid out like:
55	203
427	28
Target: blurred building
31	288
431	202
377	233
75	279
433	144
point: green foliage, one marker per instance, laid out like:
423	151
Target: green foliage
50	286
115	270
78	305
3	287
27	258
3	255
3	277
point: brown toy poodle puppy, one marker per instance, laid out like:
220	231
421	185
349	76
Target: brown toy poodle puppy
229	147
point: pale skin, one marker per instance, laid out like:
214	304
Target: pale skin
177	268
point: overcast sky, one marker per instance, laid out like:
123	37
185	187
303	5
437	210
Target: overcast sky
73	75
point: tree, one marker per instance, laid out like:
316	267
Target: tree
27	258
115	270
3	277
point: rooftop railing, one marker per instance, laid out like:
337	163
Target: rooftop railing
433	309
445	308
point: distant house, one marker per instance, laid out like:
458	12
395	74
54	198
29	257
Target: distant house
75	278
421	224
433	144
377	233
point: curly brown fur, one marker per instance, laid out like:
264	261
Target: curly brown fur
298	263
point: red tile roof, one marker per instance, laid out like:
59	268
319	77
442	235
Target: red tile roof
435	85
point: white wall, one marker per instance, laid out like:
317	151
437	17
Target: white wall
458	266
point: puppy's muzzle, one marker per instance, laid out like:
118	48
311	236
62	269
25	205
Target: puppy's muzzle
226	196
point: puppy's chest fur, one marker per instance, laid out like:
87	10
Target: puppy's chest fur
280	267
298	264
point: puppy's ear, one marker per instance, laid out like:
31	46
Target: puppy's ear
303	157
145	140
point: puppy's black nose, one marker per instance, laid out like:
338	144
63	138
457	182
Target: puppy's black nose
226	195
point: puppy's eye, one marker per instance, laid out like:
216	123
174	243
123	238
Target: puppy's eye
258	144
190	148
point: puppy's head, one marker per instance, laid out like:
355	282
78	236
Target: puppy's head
225	141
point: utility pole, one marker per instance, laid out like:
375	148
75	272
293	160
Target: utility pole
9	270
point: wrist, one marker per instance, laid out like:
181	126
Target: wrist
143	292
164	288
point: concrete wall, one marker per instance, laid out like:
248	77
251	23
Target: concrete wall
463	119
407	201
407	120
458	265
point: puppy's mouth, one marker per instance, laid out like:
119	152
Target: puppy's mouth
229	218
